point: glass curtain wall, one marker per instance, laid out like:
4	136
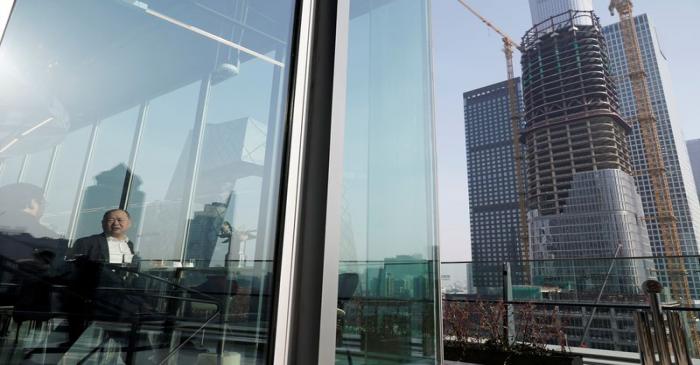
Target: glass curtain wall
388	300
175	112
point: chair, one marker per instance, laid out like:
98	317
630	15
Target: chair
347	285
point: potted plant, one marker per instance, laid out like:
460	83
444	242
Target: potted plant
474	332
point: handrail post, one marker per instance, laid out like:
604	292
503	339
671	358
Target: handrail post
508	318
652	288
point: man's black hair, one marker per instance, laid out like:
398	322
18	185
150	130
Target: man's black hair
104	217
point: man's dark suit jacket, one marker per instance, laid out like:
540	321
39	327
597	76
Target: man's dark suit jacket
90	270
95	248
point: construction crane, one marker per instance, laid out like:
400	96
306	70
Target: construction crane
665	216
508	45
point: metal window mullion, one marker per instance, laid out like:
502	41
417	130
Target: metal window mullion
25	162
49	174
308	282
334	199
434	194
135	147
269	197
9	5
81	186
290	224
195	156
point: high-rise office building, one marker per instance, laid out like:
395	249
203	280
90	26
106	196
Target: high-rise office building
493	193
678	170
694	154
582	201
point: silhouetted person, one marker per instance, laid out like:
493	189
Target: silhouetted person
21	208
28	252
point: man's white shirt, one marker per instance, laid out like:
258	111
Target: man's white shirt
119	251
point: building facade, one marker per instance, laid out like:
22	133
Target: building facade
270	169
582	199
493	191
578	162
694	155
678	169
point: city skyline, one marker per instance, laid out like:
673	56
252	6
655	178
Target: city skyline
458	32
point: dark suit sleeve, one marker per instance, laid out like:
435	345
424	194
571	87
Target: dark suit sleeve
91	248
80	247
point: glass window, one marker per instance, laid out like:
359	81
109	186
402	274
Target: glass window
388	285
140	159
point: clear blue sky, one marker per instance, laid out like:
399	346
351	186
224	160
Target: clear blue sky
467	55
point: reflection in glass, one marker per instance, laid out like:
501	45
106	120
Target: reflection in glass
63	182
106	170
175	112
36	167
162	164
10	170
387	299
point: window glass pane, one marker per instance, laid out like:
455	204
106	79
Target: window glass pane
106	170
36	167
65	178
10	169
387	284
174	111
160	173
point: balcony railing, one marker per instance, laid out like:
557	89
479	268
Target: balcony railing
588	306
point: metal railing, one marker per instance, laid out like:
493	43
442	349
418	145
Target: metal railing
579	304
163	304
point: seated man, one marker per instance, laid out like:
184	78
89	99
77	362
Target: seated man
112	245
28	252
95	259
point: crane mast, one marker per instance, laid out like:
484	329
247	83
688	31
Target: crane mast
508	45
665	216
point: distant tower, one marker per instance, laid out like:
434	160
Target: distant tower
676	160
582	200
204	232
493	193
543	10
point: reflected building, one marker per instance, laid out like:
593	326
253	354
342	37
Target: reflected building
204	231
233	150
676	159
105	194
582	200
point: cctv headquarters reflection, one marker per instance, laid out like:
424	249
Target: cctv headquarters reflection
139	179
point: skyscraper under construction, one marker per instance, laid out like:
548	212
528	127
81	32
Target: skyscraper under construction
582	199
